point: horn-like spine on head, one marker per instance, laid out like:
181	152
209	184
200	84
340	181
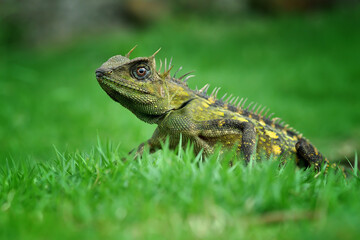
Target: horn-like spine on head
153	56
128	54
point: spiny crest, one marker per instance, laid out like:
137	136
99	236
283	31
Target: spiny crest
166	74
239	105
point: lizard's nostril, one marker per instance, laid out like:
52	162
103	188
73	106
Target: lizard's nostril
99	72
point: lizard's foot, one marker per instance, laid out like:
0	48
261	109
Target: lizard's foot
138	151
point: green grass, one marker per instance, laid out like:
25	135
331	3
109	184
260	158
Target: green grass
173	194
306	68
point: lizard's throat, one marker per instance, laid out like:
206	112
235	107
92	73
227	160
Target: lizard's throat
145	111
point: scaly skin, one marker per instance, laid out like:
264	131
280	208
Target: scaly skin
202	119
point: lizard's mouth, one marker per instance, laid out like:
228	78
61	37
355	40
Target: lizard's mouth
120	84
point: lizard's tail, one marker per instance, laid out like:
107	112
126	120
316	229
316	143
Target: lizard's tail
309	153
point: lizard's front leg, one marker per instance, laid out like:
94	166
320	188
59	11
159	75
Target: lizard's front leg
154	144
248	141
221	127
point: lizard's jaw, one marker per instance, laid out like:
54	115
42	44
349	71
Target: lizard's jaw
120	86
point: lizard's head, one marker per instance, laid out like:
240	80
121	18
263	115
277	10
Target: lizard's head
136	85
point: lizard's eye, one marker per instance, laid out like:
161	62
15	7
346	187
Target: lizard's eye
141	72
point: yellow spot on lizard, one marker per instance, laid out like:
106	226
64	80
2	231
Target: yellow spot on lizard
276	149
240	119
211	100
205	105
222	122
271	134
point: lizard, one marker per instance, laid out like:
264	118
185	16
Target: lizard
200	117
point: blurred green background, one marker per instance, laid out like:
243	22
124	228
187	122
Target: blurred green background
299	57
